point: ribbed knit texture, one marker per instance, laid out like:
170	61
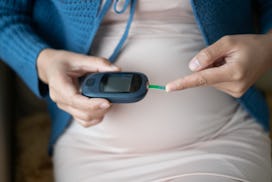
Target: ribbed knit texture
28	26
19	44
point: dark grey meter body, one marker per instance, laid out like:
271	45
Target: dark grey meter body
117	87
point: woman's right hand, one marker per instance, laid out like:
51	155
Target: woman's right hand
61	70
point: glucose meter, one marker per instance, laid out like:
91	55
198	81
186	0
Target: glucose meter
117	87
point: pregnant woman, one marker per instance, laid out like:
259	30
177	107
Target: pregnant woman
200	134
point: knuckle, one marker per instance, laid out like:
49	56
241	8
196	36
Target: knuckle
206	53
98	120
85	124
201	80
52	96
228	40
91	122
87	117
238	73
237	76
239	91
236	95
60	106
93	107
102	61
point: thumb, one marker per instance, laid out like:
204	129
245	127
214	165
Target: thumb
95	64
210	55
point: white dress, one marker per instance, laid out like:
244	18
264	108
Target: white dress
199	134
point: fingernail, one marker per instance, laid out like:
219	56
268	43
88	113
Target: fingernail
114	67
104	105
194	65
169	88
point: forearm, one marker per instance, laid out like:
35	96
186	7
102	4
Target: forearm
20	45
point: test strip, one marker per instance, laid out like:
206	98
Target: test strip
158	87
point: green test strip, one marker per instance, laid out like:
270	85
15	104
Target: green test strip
158	87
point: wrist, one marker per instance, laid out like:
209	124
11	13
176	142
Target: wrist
43	63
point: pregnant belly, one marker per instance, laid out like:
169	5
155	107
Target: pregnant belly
161	120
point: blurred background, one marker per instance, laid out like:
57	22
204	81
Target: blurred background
24	132
25	128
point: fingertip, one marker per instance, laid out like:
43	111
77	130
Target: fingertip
109	65
105	105
170	87
115	68
102	64
100	103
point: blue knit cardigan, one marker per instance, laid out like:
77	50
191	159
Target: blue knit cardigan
29	26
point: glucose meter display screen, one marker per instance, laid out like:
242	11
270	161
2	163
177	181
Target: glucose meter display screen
123	83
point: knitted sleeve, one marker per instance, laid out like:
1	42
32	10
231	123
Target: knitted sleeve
265	8
19	44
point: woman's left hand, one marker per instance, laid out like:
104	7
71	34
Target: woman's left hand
232	64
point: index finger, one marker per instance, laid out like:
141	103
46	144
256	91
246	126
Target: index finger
84	103
202	78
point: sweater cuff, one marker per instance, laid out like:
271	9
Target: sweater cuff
20	48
